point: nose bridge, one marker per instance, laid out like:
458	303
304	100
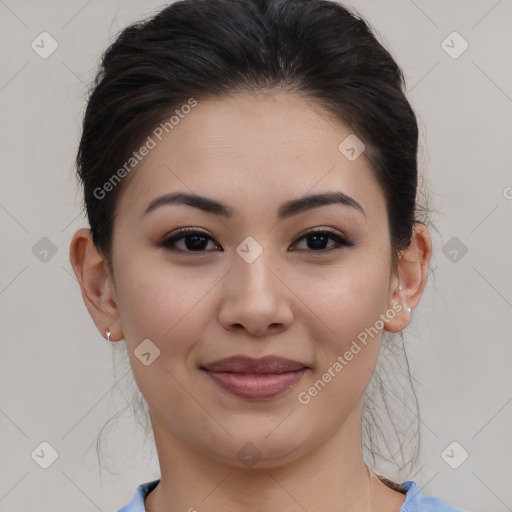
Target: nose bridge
254	280
254	296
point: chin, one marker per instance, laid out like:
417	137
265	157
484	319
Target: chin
259	450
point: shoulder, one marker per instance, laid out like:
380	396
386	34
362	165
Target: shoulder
417	501
136	504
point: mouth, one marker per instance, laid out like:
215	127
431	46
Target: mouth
255	378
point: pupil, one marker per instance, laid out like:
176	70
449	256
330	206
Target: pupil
196	244
319	241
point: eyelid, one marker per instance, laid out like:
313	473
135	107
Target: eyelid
322	229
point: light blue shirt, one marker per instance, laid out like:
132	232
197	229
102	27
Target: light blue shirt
415	500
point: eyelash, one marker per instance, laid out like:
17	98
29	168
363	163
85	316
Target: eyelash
169	242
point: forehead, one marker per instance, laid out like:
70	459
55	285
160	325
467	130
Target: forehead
265	146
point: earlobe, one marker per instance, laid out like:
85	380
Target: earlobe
399	313
411	276
95	283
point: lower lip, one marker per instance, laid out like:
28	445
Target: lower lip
254	386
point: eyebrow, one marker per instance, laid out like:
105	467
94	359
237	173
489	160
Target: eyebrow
288	209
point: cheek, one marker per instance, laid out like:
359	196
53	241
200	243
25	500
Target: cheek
163	303
347	300
170	308
160	302
346	354
347	311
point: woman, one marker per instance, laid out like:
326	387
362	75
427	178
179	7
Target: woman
249	171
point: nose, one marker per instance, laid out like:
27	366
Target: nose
255	298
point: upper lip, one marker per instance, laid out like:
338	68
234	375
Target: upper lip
243	364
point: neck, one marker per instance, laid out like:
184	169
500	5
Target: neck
332	477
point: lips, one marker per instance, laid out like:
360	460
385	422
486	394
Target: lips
243	364
262	378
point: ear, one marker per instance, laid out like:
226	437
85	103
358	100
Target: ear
96	283
411	276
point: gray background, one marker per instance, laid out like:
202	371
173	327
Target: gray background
60	381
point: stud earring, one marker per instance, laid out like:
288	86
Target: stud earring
108	335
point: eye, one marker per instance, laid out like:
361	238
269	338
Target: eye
317	239
193	241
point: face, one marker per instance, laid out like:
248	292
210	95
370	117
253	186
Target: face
255	281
